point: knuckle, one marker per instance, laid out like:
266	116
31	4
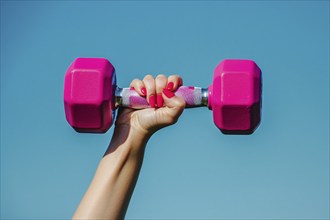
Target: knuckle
135	81
176	79
181	105
172	120
161	76
148	77
175	76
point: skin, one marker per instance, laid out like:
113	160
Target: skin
110	191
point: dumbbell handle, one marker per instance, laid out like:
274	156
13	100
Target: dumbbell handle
193	96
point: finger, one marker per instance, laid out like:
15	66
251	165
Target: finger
161	81
174	105
139	87
150	86
173	82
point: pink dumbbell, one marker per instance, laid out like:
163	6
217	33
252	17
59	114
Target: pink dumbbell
91	96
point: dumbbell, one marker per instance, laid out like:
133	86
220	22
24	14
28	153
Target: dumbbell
91	96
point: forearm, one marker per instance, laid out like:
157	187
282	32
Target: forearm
110	191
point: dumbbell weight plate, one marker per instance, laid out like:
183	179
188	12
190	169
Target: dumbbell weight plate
235	96
88	93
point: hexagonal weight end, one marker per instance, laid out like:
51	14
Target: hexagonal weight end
236	96
88	93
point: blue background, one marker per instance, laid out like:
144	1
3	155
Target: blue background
190	170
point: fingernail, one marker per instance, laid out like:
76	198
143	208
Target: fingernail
143	91
168	93
131	88
160	100
152	101
170	86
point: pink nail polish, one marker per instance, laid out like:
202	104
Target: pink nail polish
152	101
131	88
168	93
144	91
170	86
160	100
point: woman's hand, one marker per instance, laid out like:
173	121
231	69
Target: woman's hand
165	106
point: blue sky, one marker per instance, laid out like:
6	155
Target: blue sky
190	170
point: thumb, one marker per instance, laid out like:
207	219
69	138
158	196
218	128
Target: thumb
174	105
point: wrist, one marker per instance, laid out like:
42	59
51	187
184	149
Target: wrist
129	138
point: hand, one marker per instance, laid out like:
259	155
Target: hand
165	106
111	189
